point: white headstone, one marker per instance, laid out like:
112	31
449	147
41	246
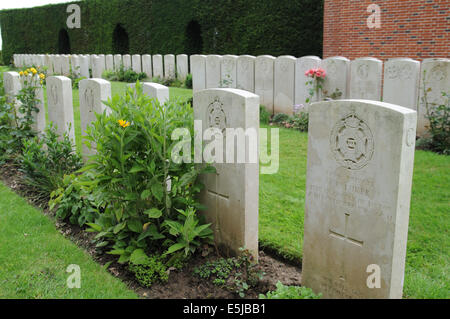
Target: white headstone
182	66
337	79
147	65
57	65
126	60
11	84
246	73
213	74
198	70
109	62
84	66
136	62
365	79
401	82
284	84
228	71
49	64
169	66
264	80
65	65
358	190
97	68
60	105
92	93
302	65
435	73
154	90
231	195
158	70
117	62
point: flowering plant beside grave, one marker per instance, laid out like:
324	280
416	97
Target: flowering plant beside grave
315	82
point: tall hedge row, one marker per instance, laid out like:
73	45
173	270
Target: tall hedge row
254	27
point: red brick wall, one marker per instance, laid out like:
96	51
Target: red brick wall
415	29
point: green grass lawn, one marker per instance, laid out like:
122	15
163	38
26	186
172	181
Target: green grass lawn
281	209
34	257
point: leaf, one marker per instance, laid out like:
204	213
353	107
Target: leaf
116	252
153	213
174	248
95	227
138	257
119	227
145	194
135	225
157	190
136	168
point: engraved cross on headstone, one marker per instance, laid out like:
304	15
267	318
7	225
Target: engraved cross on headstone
347	239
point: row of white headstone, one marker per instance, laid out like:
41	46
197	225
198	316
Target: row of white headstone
163	67
92	93
358	187
281	81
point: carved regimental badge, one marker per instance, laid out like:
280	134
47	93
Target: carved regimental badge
351	142
216	116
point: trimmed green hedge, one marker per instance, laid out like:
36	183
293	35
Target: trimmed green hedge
254	27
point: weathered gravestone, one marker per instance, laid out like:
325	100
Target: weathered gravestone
154	90
75	65
365	79
358	190
126	62
198	70
136	63
302	65
57	65
337	79
158	70
182	66
245	71
65	65
264	80
92	94
84	66
147	65
401	82
434	80
11	85
284	80
117	62
230	195
109	62
97	68
169	66
228	71
60	105
49	64
213	75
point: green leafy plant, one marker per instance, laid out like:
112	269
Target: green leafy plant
73	202
123	75
147	200
148	269
45	160
188	81
290	292
237	274
280	118
438	116
299	121
17	117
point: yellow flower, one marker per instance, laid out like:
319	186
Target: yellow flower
21	73
42	82
25	73
42	76
34	71
123	123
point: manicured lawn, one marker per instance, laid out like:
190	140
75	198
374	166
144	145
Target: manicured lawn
34	257
282	209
